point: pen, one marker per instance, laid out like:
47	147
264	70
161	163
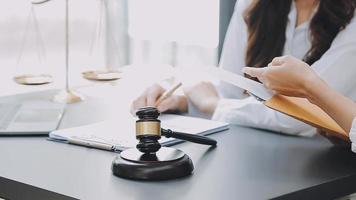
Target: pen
93	144
168	93
256	97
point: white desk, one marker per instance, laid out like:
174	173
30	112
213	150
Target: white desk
247	164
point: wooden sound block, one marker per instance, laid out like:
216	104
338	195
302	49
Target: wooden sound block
102	75
40	79
167	163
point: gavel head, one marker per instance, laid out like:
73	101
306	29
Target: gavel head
148	130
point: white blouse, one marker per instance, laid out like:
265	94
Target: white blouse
337	67
352	136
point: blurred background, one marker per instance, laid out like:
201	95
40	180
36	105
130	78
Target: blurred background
109	33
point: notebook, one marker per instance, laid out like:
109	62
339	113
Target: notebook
118	135
298	108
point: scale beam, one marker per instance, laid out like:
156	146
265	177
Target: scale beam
39	1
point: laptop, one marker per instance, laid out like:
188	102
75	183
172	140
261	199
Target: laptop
30	117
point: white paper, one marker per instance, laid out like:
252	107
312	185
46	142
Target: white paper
122	134
242	82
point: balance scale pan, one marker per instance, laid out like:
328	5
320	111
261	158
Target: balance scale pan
102	75
27	79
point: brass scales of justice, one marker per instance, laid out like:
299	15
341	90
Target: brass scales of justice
67	95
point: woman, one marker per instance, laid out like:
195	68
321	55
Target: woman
289	76
320	32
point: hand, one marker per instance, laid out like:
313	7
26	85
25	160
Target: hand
287	76
174	103
335	140
204	96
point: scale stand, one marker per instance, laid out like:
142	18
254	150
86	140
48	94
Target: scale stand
106	74
67	95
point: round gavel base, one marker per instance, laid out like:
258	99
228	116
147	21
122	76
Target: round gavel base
167	163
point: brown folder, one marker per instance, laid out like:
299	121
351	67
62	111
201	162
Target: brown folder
303	110
297	108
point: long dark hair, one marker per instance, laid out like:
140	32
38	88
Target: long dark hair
267	21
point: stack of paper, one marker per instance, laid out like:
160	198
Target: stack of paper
122	134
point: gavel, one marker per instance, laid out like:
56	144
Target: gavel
149	131
149	160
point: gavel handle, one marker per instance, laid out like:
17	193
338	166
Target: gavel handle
188	137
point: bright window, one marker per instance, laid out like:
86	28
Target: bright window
193	22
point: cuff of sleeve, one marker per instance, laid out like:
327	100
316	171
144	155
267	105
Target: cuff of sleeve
352	135
224	108
353	147
220	110
194	112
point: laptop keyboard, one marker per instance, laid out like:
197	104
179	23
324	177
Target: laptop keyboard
7	113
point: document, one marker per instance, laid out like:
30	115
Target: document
118	135
242	82
298	108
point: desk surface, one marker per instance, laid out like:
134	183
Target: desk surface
247	164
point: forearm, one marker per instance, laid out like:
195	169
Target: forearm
337	106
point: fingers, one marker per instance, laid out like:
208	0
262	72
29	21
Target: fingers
173	104
166	105
148	98
277	61
254	72
265	75
333	139
153	93
138	103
